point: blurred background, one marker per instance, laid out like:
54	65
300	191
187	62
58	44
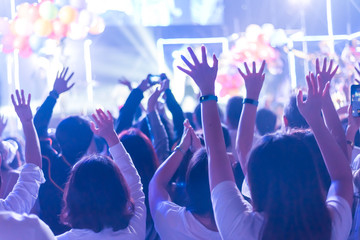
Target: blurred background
102	41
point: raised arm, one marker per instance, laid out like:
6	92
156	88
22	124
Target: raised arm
334	157
204	76
159	183
351	130
176	111
158	133
127	112
105	128
245	133
24	194
331	117
23	110
43	115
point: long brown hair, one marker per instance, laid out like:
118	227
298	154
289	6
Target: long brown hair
285	187
97	196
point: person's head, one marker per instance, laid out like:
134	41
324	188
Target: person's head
285	186
197	184
74	137
309	139
10	154
142	152
96	196
233	111
292	116
265	121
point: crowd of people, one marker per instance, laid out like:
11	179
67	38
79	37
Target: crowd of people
202	175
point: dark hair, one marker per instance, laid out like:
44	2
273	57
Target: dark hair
197	184
142	152
284	185
309	139
265	121
74	137
97	196
293	116
233	111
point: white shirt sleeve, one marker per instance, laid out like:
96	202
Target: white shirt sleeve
22	198
233	215
341	217
127	168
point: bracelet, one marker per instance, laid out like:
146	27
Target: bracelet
208	98
178	148
54	94
350	143
251	101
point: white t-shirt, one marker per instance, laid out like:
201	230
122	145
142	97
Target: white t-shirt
25	192
137	225
175	222
236	220
14	226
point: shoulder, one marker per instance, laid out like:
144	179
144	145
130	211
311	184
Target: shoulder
341	216
17	226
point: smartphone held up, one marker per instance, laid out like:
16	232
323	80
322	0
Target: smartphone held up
355	100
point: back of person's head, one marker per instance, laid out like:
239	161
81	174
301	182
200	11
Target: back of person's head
74	137
233	111
142	152
309	139
197	184
11	154
284	185
293	117
265	121
97	196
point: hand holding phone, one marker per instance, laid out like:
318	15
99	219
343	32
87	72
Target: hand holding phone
355	100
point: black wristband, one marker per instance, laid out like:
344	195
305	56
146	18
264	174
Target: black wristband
251	101
54	94
208	98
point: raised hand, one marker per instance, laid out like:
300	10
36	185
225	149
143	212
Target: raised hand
311	108
124	81
155	96
3	123
145	84
195	140
325	74
253	80
104	126
22	107
61	82
203	75
185	141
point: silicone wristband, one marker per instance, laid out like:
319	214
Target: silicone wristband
251	101
208	98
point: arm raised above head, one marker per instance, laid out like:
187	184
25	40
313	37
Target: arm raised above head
335	159
245	133
205	76
23	110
